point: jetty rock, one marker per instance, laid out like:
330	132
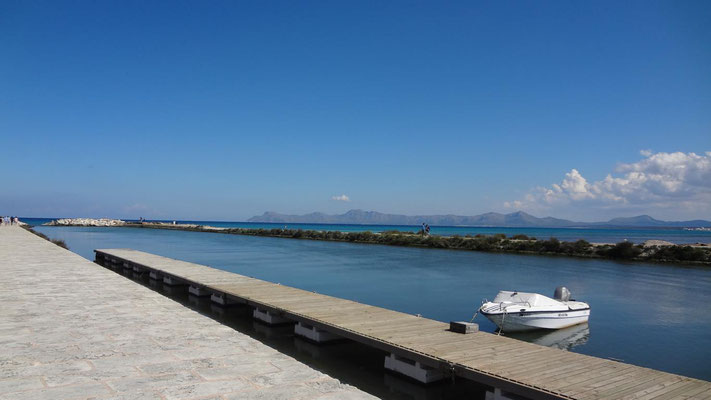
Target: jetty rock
86	222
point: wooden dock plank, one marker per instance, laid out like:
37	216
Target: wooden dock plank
670	390
697	392
529	362
575	379
640	380
667	382
599	379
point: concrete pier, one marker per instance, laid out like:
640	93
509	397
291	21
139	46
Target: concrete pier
70	329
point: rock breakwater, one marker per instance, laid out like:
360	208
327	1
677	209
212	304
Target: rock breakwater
86	222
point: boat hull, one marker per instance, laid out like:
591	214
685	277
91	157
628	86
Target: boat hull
527	321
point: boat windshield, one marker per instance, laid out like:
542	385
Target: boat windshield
529	299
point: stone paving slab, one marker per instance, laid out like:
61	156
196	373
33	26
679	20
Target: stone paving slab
70	329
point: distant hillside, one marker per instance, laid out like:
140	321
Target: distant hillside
517	219
647	221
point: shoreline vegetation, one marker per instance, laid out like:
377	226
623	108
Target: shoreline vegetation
58	242
650	251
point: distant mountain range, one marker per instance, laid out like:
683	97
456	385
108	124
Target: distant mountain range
517	219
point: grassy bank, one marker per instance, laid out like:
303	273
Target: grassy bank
58	242
500	243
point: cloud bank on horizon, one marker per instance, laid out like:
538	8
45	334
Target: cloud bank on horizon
659	184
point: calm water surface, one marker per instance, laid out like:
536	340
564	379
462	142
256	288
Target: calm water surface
645	314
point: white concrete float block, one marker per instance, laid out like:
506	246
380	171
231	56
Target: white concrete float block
126	265
221	299
269	317
154	275
136	268
198	291
314	334
171	281
412	369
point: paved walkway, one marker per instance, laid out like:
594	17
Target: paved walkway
71	329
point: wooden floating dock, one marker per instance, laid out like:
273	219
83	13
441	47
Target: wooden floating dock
423	348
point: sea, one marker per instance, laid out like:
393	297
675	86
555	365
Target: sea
593	235
647	314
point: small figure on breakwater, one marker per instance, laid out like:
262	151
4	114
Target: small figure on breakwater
425	229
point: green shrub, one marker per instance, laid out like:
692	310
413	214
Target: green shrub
582	246
623	250
60	243
551	245
680	253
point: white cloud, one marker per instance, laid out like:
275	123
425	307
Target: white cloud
673	184
342	197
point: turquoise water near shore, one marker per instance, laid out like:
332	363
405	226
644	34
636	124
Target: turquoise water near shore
594	235
645	314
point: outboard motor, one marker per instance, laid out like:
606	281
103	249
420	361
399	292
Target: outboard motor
561	293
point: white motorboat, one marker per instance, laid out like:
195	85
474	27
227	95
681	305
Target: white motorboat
519	311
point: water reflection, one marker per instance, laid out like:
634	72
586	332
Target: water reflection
563	339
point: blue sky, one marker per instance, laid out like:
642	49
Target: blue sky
224	110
